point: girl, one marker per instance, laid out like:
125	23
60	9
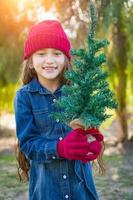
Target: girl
53	156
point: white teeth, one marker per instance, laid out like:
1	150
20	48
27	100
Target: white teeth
49	67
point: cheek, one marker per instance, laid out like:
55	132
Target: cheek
61	62
37	61
61	66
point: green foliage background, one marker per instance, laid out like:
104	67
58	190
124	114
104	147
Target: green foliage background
15	21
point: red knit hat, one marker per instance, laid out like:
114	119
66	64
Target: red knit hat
46	34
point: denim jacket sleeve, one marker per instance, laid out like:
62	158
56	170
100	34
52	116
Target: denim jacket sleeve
34	146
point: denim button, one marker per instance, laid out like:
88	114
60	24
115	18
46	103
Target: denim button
60	138
53	157
64	176
66	196
57	120
54	100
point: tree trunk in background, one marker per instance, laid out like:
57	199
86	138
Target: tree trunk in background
120	45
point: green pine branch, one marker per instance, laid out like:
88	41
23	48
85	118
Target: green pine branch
88	96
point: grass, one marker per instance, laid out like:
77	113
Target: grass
9	183
117	183
118	180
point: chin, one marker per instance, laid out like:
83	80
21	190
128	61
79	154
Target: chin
50	77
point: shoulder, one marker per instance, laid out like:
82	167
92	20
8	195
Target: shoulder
22	94
23	90
27	91
29	87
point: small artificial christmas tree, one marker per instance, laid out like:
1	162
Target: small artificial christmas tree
88	96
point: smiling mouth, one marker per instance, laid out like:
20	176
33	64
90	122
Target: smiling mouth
48	68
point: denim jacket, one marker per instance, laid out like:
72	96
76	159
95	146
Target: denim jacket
51	177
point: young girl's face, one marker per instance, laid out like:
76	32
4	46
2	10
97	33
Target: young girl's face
48	63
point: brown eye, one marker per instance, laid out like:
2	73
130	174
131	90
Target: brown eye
41	53
57	53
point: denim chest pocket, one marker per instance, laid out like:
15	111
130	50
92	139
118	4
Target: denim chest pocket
43	121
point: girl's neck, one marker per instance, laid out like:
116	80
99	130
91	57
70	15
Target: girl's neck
51	85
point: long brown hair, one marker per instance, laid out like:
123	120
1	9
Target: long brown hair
27	74
100	160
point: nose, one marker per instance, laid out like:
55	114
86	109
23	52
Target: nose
49	59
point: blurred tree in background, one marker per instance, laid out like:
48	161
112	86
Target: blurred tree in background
14	22
114	23
16	17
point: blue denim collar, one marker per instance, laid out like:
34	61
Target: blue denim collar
35	86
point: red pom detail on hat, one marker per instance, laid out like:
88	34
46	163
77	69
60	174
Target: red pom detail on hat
47	34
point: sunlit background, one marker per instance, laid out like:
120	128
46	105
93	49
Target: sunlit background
114	22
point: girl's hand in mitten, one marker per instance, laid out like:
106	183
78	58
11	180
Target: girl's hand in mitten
74	146
94	138
95	133
93	151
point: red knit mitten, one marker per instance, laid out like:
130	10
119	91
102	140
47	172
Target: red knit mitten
95	133
94	138
74	146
